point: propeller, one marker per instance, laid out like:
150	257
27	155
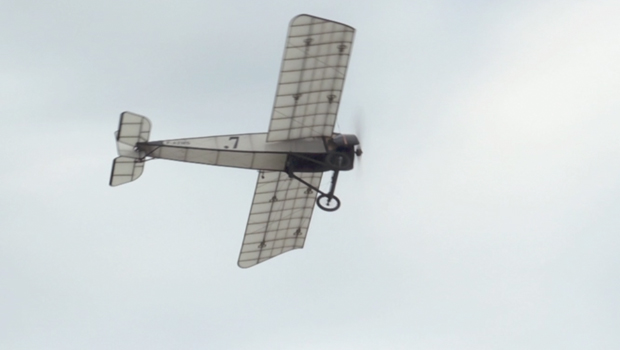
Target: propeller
359	132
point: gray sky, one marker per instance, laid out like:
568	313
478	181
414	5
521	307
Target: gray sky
485	217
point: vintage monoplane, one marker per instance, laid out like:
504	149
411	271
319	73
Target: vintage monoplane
291	158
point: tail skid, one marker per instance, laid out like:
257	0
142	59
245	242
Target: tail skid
133	128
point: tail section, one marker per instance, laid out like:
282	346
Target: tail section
125	169
133	128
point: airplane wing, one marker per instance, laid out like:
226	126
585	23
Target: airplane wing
311	78
279	217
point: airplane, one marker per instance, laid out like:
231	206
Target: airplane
291	157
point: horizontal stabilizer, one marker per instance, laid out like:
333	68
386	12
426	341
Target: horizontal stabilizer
125	169
132	129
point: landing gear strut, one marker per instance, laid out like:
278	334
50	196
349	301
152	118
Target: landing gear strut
326	201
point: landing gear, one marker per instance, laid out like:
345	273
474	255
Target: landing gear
335	161
326	203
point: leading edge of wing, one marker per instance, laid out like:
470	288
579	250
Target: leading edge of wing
312	75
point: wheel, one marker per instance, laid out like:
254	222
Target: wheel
328	204
338	161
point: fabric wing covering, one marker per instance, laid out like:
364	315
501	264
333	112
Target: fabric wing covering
311	78
279	217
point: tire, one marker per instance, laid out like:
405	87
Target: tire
328	207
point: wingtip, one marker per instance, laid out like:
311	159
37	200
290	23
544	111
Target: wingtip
241	264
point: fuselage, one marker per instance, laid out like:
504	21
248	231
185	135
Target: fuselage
249	151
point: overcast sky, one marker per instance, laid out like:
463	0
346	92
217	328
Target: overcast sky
485	216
